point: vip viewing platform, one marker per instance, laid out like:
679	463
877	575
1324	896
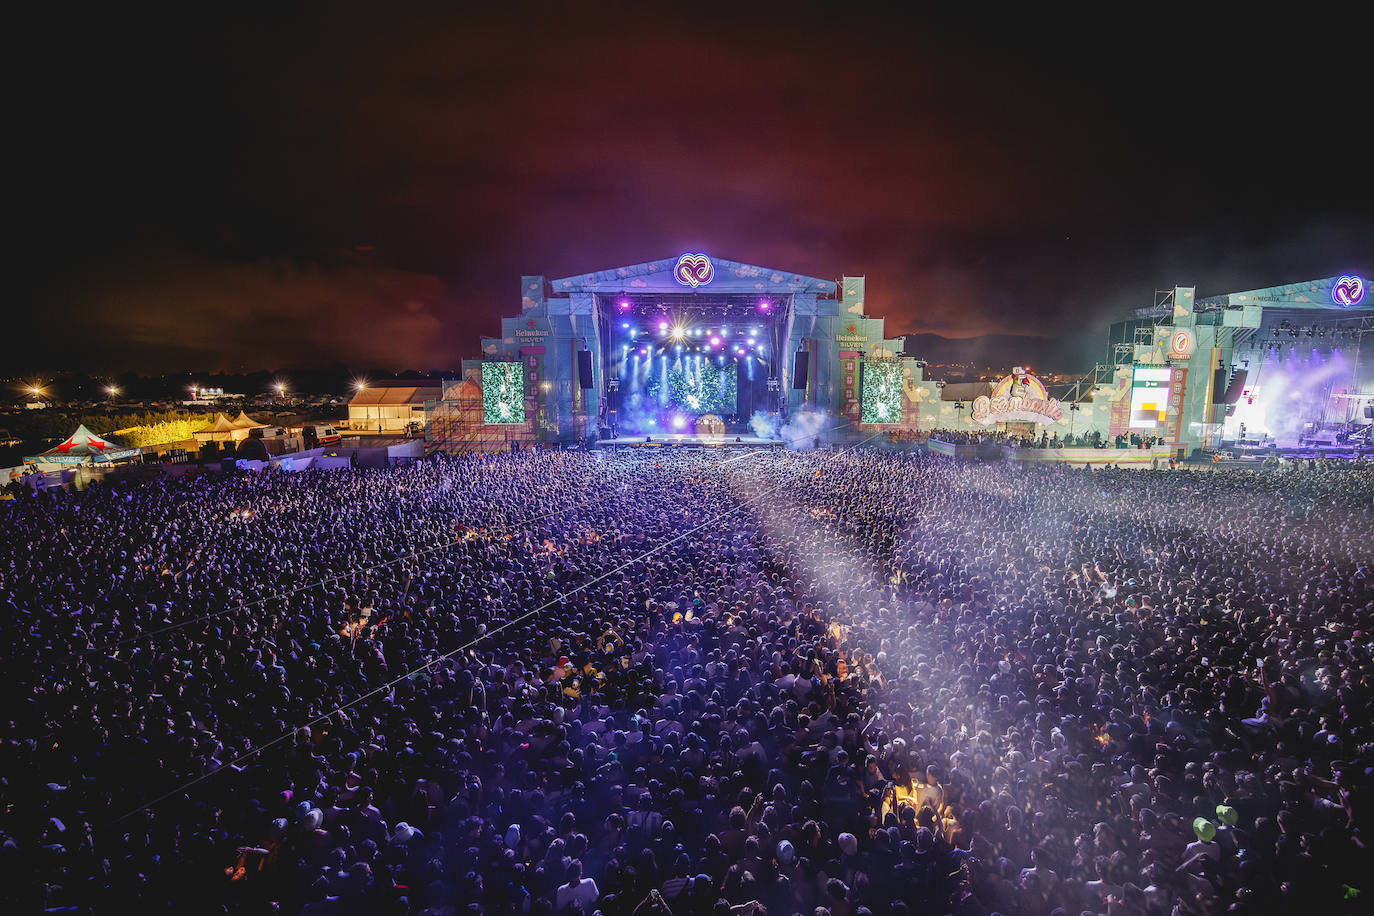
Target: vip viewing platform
1132	451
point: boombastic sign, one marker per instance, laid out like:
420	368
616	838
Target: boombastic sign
1018	398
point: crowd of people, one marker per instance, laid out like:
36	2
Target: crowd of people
993	436
829	683
1091	439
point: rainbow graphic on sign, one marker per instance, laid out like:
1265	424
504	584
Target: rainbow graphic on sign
1017	398
1020	384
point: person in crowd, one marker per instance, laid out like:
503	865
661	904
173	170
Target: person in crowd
852	682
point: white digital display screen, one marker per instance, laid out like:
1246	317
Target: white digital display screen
1149	397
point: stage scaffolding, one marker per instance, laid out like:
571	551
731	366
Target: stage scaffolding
455	424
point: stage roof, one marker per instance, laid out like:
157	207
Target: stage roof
728	277
1311	294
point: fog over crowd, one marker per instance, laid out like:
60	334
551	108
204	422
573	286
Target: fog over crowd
826	683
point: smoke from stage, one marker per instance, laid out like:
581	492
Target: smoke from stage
1292	390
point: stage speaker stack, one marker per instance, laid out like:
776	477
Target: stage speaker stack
801	365
584	368
744	398
1219	385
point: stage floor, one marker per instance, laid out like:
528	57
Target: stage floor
690	440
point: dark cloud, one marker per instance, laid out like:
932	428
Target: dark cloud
193	184
232	315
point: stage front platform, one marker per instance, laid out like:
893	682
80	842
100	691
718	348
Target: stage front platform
690	440
1347	451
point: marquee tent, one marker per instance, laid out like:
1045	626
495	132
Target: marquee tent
221	430
83	447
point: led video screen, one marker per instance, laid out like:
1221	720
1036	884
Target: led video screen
882	392
696	387
1149	397
503	392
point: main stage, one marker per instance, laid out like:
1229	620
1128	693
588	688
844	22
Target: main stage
689	440
693	345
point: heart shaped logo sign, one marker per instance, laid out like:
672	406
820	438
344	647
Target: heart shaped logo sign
694	270
1348	291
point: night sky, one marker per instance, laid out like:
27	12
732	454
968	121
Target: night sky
320	186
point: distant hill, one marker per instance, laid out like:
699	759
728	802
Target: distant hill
1002	351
